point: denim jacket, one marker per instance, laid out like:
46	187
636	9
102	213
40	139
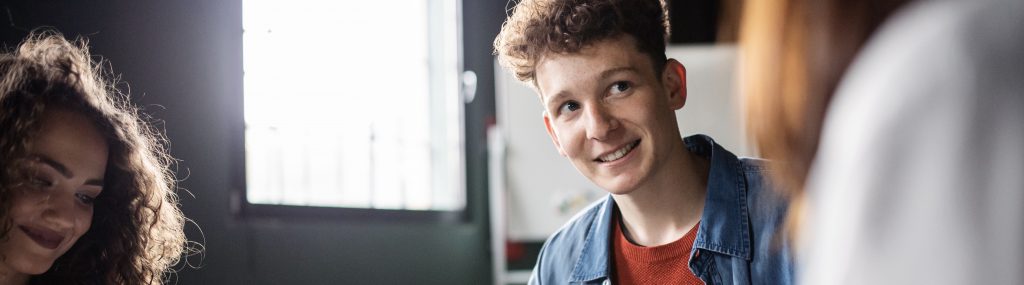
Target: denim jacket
740	239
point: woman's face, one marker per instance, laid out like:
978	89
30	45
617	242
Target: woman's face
53	208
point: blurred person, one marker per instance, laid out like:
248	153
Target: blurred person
679	210
901	125
86	195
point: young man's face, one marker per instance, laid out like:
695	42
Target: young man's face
607	111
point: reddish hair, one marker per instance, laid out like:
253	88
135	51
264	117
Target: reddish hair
539	27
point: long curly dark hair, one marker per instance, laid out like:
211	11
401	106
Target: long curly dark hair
137	228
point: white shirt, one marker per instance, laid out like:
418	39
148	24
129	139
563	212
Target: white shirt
919	177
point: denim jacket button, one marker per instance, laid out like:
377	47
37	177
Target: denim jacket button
606	282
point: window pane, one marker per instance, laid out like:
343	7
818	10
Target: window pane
353	104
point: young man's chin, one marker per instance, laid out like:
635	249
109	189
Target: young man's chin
617	185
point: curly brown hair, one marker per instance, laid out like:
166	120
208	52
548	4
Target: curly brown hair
137	229
539	27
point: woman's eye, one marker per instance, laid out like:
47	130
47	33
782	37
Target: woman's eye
569	107
85	199
40	182
619	87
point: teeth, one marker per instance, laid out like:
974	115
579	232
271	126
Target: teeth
617	154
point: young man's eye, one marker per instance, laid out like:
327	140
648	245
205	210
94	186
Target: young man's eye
619	87
85	199
569	107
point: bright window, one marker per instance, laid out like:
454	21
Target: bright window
353	104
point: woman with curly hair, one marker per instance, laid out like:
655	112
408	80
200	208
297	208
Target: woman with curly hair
86	193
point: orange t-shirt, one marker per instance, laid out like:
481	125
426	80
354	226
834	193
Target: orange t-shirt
663	264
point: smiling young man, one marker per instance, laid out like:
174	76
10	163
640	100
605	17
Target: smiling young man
680	210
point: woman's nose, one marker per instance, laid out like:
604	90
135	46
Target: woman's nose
61	209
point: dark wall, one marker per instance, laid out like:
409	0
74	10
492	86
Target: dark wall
182	60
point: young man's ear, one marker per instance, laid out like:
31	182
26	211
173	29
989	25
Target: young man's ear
674	81
552	134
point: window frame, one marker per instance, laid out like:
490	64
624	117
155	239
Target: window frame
242	209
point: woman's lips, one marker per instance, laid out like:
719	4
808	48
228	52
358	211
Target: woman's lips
44	237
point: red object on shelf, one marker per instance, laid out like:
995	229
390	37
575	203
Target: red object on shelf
514	251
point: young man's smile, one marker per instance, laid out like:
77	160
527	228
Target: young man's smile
616	155
610	94
609	112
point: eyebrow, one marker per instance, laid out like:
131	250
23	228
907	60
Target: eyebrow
608	73
553	99
604	75
64	170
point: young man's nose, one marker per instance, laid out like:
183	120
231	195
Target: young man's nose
600	123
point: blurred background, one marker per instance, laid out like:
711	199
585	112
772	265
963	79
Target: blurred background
343	142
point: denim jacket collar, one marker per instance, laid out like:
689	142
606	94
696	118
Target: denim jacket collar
724	224
593	262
